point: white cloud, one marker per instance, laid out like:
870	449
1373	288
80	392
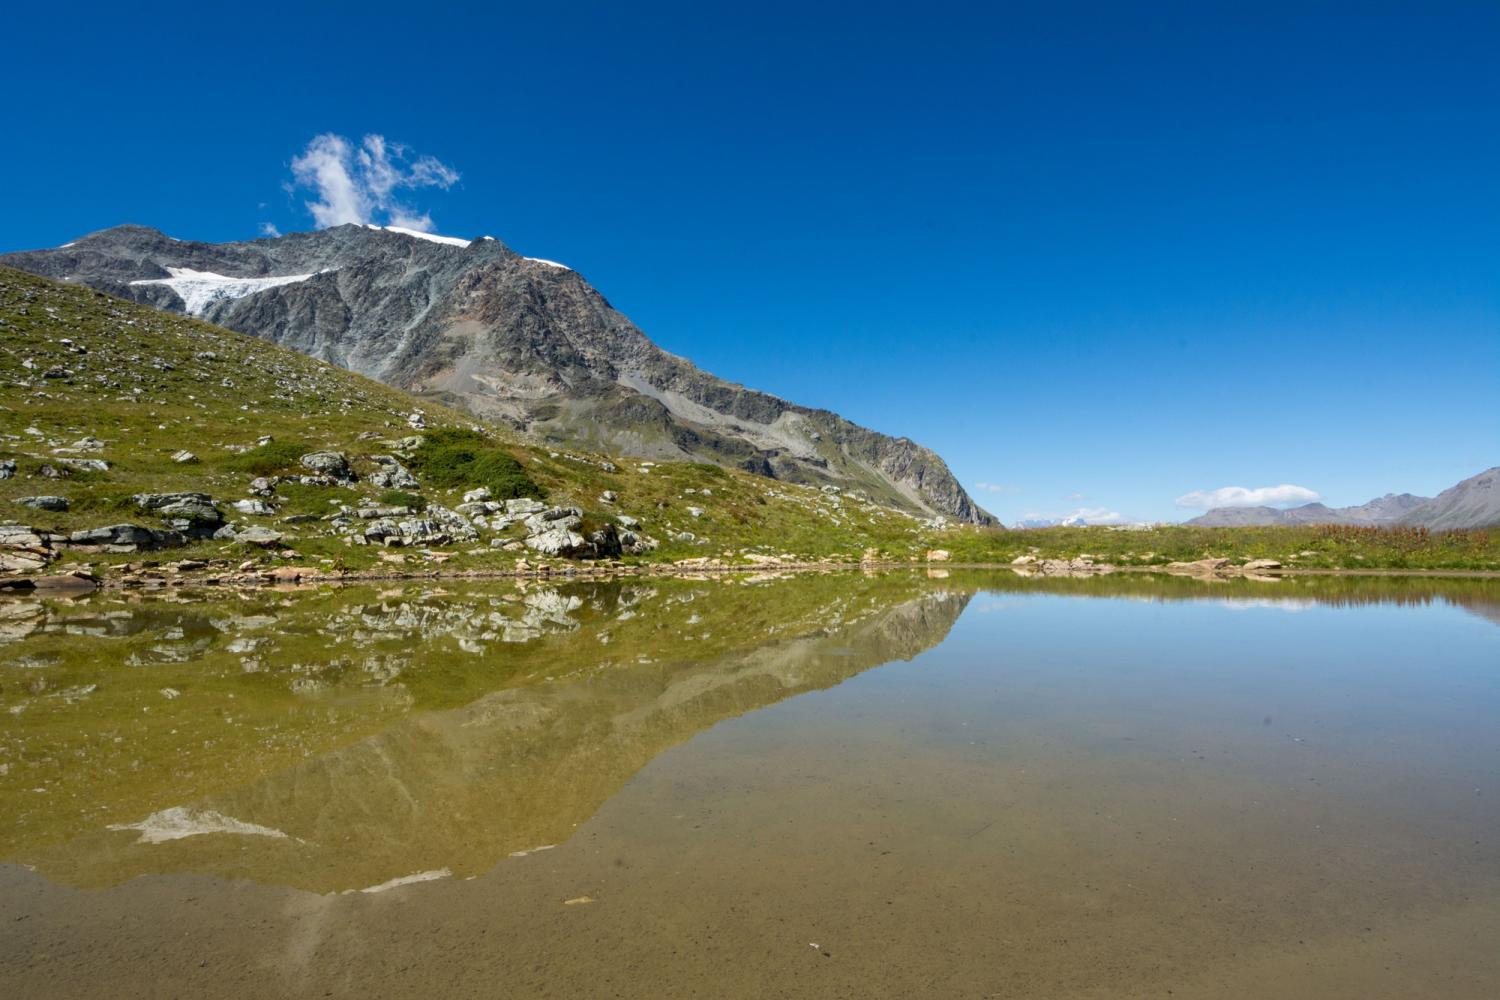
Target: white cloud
269	229
1073	497
360	184
997	488
1284	495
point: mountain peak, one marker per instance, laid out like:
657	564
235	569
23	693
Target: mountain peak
519	340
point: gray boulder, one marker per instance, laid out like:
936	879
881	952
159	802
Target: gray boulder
332	464
523	507
257	535
255	508
392	475
128	537
44	503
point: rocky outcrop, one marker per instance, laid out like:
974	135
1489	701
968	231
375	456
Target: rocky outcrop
329	464
392	475
1473	503
510	338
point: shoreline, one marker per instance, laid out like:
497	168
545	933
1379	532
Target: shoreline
169	577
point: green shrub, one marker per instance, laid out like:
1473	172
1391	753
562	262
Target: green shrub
451	458
400	498
269	458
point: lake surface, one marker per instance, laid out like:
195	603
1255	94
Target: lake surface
977	785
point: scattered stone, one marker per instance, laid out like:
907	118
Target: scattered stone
263	486
608	496
255	508
933	555
184	457
7	468
1255	565
475	495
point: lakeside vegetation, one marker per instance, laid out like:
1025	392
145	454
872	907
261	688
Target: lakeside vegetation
1299	547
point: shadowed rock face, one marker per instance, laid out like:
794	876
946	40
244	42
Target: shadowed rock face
508	337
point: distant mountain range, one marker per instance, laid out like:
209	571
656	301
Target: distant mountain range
510	338
1473	503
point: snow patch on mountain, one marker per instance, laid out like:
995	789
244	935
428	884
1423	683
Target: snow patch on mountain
201	289
549	263
452	241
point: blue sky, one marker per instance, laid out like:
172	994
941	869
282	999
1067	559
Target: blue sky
1097	256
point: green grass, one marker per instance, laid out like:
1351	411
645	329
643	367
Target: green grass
400	498
268	459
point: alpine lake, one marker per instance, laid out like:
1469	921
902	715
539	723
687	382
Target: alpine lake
956	784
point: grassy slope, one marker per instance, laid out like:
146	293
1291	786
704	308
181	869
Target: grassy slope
143	389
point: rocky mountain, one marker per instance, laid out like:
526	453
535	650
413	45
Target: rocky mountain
1473	503
1388	509
510	338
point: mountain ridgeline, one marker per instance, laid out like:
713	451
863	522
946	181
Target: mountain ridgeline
509	338
1473	503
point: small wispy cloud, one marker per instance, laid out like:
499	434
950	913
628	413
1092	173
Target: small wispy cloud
1073	497
997	488
269	229
1238	496
360	183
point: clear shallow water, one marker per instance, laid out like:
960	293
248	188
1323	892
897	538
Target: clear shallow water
974	786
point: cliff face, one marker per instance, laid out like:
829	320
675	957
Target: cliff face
508	337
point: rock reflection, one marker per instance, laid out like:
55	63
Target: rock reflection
562	694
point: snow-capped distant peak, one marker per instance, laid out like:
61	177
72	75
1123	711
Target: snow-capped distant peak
549	263
452	241
201	289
